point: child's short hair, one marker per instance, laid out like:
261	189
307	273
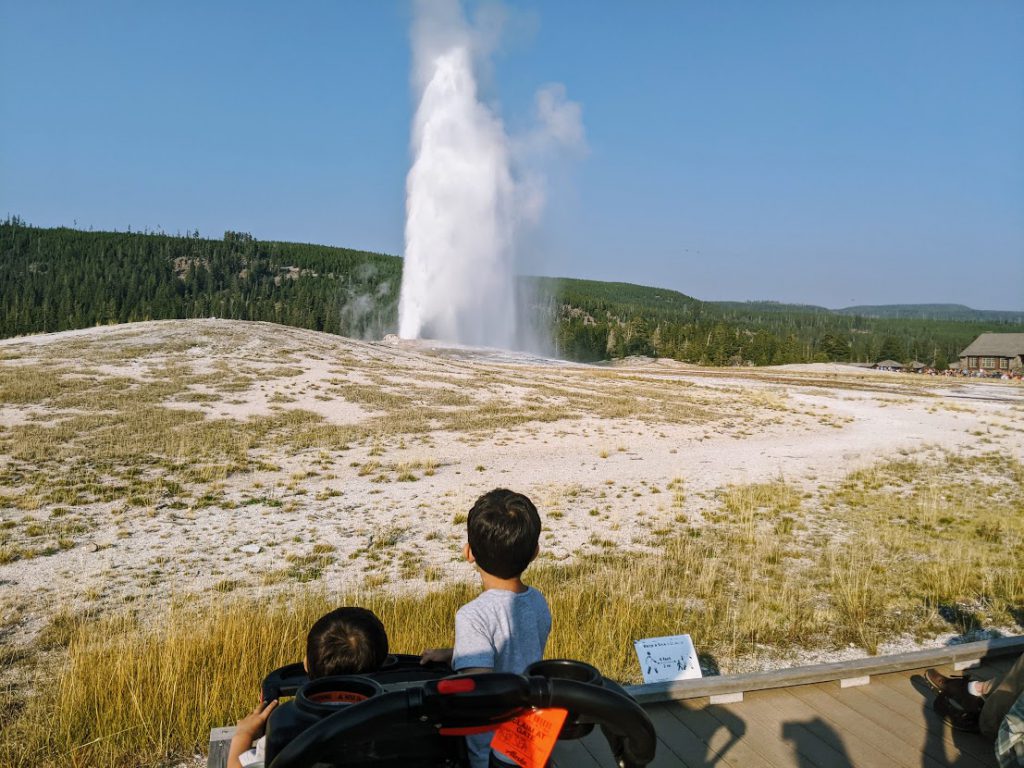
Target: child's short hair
346	641
504	529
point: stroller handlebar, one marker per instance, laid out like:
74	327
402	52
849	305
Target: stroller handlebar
463	703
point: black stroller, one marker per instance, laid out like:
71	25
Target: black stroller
415	716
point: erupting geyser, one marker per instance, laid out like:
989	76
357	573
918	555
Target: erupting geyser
457	282
463	203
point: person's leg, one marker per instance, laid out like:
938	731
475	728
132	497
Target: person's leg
1001	697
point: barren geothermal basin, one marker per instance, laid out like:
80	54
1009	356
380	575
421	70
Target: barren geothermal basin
778	514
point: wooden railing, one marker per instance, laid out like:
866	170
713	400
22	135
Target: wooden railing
856	672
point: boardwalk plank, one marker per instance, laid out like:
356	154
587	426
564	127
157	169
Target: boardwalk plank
683	743
898	693
571	754
887	723
724	735
597	746
811	736
764	732
841	710
864	700
936	743
972	744
832	724
598	750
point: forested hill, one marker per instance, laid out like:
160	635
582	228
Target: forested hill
57	279
631	319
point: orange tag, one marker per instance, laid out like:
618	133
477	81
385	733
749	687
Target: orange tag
530	739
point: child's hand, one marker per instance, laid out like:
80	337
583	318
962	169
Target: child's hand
443	655
251	726
249	729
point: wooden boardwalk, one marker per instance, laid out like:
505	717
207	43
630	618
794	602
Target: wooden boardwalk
873	712
888	722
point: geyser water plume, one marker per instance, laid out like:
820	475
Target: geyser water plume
463	202
457	281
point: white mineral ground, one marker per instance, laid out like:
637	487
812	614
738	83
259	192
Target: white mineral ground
833	419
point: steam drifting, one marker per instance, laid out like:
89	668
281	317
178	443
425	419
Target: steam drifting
470	188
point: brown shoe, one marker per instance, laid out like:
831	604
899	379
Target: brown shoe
942	684
955	689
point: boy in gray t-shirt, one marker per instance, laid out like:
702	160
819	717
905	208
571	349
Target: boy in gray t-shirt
506	628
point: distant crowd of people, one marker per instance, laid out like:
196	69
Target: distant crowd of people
978	373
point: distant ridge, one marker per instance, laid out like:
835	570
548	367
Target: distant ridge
621	293
959	312
766	306
934	312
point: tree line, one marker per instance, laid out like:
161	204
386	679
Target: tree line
598	321
54	279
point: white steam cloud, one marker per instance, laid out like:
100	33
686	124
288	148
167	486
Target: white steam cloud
471	188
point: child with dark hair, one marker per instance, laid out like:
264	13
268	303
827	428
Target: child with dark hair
506	628
346	641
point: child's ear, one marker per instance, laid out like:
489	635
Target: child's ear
468	553
305	663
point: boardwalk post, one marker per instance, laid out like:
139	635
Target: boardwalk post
220	744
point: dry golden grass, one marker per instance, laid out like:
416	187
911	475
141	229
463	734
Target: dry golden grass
909	547
906	547
134	690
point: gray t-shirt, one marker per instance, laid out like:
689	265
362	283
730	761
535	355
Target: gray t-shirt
505	631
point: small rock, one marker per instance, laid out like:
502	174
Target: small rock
249	549
92	546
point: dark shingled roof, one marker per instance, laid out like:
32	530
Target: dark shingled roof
888	364
996	345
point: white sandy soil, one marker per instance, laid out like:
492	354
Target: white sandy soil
810	425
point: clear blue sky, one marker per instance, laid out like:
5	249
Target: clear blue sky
817	152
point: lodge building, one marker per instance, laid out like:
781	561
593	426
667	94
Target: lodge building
994	352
